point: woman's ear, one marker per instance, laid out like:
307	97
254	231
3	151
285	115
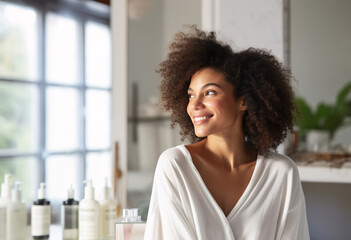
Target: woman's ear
242	102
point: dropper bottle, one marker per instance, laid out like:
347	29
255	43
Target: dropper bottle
41	215
69	216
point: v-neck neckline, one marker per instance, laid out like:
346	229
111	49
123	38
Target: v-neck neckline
243	196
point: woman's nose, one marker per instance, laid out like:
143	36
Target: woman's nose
196	103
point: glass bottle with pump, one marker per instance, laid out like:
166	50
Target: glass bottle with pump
41	215
69	216
17	215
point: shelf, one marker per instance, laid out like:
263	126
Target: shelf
322	172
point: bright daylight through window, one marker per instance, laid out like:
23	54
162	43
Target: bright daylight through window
55	97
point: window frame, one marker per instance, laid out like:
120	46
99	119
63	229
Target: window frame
82	13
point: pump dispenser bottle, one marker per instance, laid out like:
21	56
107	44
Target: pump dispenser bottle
89	215
5	202
41	215
108	213
69	216
17	215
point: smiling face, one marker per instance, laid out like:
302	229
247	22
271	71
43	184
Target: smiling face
212	106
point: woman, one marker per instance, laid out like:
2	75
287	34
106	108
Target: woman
229	183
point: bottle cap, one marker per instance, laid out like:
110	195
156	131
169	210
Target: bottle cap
17	192
6	187
41	191
70	192
88	190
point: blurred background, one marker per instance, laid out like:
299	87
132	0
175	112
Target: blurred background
79	91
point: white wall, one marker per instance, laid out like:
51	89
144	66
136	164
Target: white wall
252	23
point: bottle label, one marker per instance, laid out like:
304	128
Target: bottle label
70	234
2	223
17	220
89	224
108	222
41	220
70	217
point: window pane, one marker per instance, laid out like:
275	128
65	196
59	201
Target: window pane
25	170
98	167
61	172
98	123
18	42
62	49
98	55
62	119
18	117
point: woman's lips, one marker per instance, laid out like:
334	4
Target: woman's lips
201	119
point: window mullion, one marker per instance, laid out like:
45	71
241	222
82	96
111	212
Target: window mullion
83	89
42	101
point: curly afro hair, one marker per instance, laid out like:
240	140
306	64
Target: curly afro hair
255	74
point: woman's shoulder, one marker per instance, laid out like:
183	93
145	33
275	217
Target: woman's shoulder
174	153
172	156
280	162
281	168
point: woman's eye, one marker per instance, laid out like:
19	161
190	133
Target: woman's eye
210	93
190	95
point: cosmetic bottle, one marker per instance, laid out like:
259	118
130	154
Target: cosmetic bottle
17	215
2	221
41	215
89	215
108	213
69	216
5	201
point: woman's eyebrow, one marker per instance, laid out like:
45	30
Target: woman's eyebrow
207	85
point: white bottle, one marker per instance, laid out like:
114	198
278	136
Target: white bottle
69	216
2	221
17	215
41	215
89	215
5	201
108	213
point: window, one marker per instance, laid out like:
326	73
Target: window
55	97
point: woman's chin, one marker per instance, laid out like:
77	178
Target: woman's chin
200	134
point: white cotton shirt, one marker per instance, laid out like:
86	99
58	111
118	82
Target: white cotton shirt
181	206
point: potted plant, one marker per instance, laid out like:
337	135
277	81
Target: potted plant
326	118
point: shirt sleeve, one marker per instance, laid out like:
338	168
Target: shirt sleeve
167	218
293	221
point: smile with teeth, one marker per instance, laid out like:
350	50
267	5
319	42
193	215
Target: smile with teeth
201	119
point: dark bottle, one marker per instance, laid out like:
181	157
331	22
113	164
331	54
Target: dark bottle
41	215
69	217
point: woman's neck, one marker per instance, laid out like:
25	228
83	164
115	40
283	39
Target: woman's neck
233	152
